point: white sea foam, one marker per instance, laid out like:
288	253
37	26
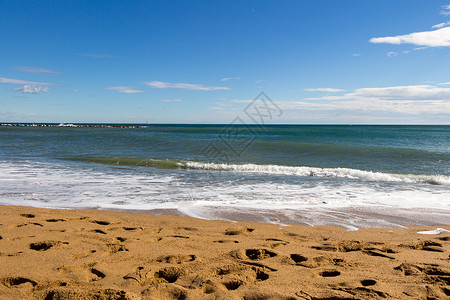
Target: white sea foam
320	172
436	231
307	200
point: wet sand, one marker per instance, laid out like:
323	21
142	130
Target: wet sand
90	254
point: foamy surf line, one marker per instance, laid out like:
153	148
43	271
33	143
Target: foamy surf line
347	203
321	172
276	170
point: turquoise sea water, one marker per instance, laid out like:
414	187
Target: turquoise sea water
345	175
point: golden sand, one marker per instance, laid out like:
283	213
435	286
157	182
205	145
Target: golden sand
90	254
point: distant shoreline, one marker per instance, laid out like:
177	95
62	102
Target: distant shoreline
69	125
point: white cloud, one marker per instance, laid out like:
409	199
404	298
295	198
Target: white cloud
223	104
393	104
230	78
37	70
440	25
186	86
20	81
96	55
435	38
445	10
172	100
395	93
444	83
411	99
328	90
391	54
29	89
411	107
124	89
356	54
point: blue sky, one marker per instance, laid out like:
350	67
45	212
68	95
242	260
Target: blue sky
321	62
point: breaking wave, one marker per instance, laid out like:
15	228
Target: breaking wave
274	170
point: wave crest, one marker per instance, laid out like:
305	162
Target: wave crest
275	170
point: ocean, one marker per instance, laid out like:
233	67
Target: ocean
351	176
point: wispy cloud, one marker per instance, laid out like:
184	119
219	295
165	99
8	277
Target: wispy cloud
392	54
405	100
355	107
356	54
241	101
29	89
395	93
435	38
124	89
37	70
445	10
224	104
328	90
186	86
20	81
96	55
440	25
230	78
172	100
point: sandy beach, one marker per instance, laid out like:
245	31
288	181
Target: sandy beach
90	254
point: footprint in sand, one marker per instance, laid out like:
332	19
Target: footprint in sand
253	254
297	258
329	273
55	220
368	282
30	216
44	246
176	259
250	273
142	276
273	243
104	223
14	281
164	291
86	270
375	253
132	228
170	274
114	248
239	230
94	275
363	293
233	284
425	246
